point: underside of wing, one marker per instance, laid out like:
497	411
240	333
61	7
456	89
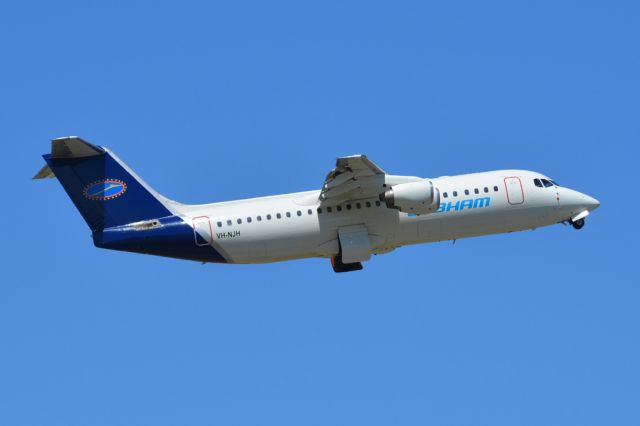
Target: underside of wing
354	177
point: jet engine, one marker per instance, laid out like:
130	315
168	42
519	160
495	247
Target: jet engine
419	197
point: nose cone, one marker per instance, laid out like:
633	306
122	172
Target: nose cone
590	203
577	201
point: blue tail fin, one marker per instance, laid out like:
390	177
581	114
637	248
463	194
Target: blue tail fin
105	191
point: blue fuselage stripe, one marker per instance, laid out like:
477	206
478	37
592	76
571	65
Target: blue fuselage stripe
171	237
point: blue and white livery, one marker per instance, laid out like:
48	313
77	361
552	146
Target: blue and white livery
359	211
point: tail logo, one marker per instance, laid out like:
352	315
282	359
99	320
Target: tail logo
105	189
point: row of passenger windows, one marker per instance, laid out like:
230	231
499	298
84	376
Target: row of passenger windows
259	218
544	183
367	204
466	192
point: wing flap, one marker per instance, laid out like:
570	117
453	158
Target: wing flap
353	177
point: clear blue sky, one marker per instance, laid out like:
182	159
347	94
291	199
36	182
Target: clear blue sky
211	102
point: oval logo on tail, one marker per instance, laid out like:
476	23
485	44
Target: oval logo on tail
105	189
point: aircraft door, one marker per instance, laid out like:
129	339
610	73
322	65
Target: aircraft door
515	192
202	231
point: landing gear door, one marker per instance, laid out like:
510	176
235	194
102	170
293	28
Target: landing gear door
355	245
202	231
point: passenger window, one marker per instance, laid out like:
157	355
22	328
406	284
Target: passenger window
219	224
476	191
546	183
299	213
319	210
368	204
309	212
537	183
239	221
259	218
339	208
495	188
378	203
466	192
278	215
329	209
249	220
445	195
348	206
455	193
358	206
288	214
486	189
268	217
229	222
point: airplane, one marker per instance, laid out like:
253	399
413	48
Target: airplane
360	211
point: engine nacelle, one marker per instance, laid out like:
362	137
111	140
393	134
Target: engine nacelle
419	197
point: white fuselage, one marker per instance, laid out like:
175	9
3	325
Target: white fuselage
297	225
360	210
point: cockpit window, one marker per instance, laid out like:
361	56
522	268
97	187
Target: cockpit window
554	182
546	183
537	183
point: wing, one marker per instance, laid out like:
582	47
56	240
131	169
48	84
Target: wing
353	178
